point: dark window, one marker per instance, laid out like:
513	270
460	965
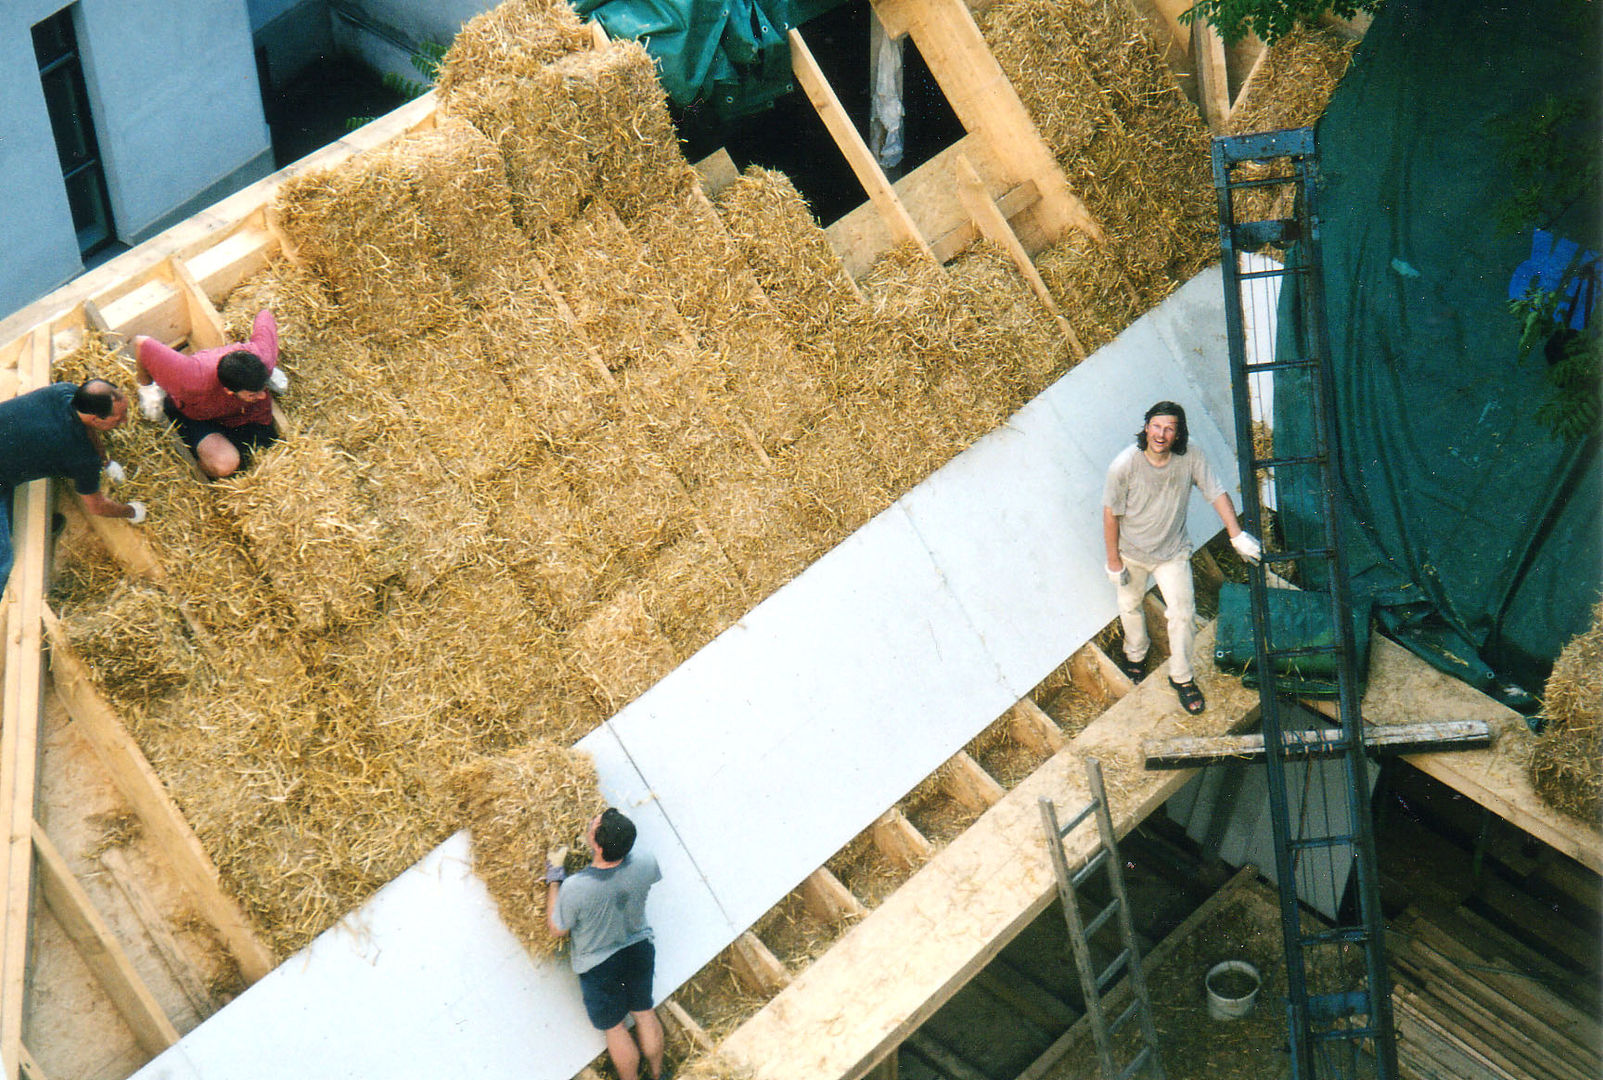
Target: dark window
55	44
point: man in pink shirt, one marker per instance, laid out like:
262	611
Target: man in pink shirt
217	398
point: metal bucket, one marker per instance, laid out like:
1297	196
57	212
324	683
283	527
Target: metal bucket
1228	996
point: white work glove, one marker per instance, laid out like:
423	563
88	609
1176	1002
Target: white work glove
555	868
1247	546
114	473
278	382
139	511
150	396
1120	577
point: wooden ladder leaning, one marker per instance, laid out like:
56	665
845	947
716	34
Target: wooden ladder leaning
1096	985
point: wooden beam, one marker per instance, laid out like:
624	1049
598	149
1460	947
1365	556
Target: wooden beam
1117	681
19	731
675	1016
206	329
124	541
987	105
970	785
757	968
100	950
1213	75
851	144
898	840
30	1068
717	171
827	900
166	947
98	722
1191	752
1033	728
994	227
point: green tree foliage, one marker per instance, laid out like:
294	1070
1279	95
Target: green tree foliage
1270	19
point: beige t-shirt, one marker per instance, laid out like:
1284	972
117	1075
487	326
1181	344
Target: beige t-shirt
1150	502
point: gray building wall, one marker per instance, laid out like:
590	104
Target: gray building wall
178	116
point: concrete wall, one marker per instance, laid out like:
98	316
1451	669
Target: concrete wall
383	33
178	115
293	33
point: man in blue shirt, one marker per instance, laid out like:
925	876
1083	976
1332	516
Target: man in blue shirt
604	907
56	431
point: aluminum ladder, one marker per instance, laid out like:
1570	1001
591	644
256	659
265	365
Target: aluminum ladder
1096	985
1338	988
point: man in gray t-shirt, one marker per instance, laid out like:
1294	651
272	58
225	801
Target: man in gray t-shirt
604	907
1144	525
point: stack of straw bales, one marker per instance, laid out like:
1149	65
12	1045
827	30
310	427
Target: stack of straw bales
1567	766
556	421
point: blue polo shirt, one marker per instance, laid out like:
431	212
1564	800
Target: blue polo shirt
41	435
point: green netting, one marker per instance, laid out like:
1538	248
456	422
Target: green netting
1473	529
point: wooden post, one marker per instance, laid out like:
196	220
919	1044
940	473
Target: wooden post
827	900
758	969
899	841
969	784
1035	729
205	323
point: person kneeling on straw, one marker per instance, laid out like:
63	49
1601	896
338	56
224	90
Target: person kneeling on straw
604	907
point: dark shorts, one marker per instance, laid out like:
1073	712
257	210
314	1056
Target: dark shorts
619	985
247	438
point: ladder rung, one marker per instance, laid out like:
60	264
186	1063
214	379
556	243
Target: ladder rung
1261	181
1339	934
1096	924
1124	1017
1247	275
1316	842
1279	365
1074	823
1136	1063
1091	866
1298	555
1302	650
1119	962
1344	1034
1288	462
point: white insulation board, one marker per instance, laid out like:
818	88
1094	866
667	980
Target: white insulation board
763	754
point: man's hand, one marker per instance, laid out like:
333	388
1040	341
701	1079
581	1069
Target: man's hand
278	382
114	473
1247	546
1119	577
150	397
555	865
138	515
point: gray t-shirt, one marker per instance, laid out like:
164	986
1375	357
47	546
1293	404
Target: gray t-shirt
1150	502
605	910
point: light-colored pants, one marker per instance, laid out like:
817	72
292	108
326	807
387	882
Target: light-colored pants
1174	583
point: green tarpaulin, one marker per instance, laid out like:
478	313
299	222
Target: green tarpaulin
1473	529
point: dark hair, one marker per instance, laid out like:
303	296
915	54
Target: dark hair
241	370
615	834
96	397
1182	434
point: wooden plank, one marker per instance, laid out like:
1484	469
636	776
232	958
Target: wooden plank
1189	752
205	329
1166	13
155	309
989	220
173	958
948	1064
1213	75
851	145
717	171
100	950
969	784
1117	681
19	732
123	540
30	1068
675	1016
1033	728
1043	1065
899	840
890	972
95	719
756	967
827	900
986	104
222	267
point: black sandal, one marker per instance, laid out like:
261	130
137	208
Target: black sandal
1190	696
1134	670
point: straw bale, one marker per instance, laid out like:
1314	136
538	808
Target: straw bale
342	392
759	523
1034	43
1294	82
429	513
512	40
1013	339
300	304
361	227
1091	287
543	363
135	642
84	572
598	266
517	807
95	358
837	482
460	183
693	259
311	532
635	504
638	160
787	251
1567	767
693	593
621	649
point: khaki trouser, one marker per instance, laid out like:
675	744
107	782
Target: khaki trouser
1174	583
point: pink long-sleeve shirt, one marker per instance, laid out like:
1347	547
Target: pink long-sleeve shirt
191	380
